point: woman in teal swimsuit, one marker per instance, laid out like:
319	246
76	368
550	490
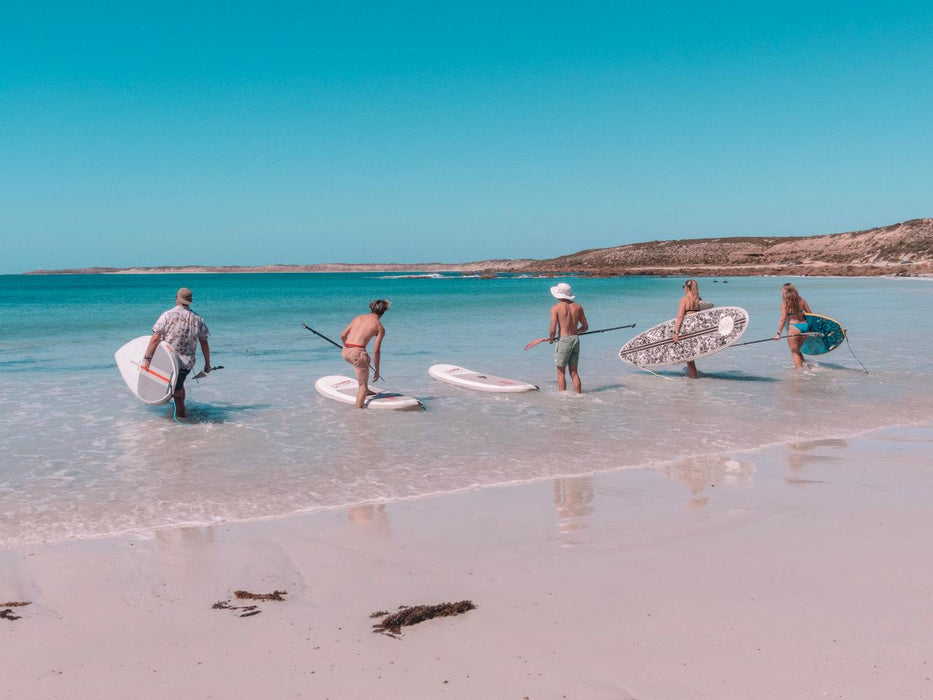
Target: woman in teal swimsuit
793	308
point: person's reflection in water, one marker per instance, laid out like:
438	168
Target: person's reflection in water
372	516
572	499
708	472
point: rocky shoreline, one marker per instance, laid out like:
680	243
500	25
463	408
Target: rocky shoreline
904	249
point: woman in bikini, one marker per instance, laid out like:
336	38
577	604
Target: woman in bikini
689	303
793	308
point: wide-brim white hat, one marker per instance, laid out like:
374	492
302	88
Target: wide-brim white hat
562	291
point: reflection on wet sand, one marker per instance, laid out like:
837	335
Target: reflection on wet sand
800	454
372	516
702	473
572	499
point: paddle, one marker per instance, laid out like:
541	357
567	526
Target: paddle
321	335
765	340
601	330
203	373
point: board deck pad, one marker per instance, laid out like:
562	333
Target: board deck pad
156	384
829	335
702	333
343	389
471	379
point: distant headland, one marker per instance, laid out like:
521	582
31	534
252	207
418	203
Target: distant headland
903	249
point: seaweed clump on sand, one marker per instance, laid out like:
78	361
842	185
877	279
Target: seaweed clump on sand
406	616
275	595
6	610
248	610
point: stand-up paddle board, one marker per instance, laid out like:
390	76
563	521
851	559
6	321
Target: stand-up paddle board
460	376
828	334
702	333
344	389
156	384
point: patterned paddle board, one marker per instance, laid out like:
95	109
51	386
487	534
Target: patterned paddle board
702	333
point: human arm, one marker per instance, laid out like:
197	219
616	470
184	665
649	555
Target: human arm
555	325
678	322
782	321
583	325
206	351
345	333
377	351
151	348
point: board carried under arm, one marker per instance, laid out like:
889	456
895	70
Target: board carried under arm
154	384
702	333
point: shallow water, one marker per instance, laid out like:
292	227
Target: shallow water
83	458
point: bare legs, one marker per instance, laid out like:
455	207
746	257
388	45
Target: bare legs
574	377
361	393
795	341
179	397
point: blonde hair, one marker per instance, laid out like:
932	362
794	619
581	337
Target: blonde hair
792	299
693	289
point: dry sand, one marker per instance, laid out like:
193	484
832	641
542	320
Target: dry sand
801	571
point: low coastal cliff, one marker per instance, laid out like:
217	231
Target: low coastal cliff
900	249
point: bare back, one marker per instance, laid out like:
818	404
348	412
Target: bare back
795	316
568	316
362	329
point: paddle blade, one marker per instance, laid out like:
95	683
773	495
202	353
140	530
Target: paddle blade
536	342
202	373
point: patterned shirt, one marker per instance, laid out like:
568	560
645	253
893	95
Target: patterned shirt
183	330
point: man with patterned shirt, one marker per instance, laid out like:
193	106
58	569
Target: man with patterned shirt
183	329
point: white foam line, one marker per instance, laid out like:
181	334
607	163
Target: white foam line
651	465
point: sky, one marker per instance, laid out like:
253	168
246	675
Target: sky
303	132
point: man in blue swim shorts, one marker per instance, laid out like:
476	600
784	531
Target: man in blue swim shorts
567	322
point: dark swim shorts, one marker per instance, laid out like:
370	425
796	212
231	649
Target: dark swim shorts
182	375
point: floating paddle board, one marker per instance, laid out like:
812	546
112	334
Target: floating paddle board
829	335
344	389
460	376
702	333
156	384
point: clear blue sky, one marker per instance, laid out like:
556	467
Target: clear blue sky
305	132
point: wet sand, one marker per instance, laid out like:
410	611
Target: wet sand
800	571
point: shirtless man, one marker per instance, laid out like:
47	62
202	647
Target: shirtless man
355	337
567	321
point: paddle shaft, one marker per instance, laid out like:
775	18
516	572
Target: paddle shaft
338	345
765	340
601	330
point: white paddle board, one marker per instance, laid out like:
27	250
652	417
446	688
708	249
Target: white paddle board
702	333
344	389
156	384
470	379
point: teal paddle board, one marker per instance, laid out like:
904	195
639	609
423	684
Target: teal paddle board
829	335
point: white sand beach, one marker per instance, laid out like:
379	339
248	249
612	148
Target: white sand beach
800	571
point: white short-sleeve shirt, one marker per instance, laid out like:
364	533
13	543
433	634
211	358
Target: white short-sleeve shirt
183	330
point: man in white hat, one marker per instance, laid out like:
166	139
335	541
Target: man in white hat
567	322
183	329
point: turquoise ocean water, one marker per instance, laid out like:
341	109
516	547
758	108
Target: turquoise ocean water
82	457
